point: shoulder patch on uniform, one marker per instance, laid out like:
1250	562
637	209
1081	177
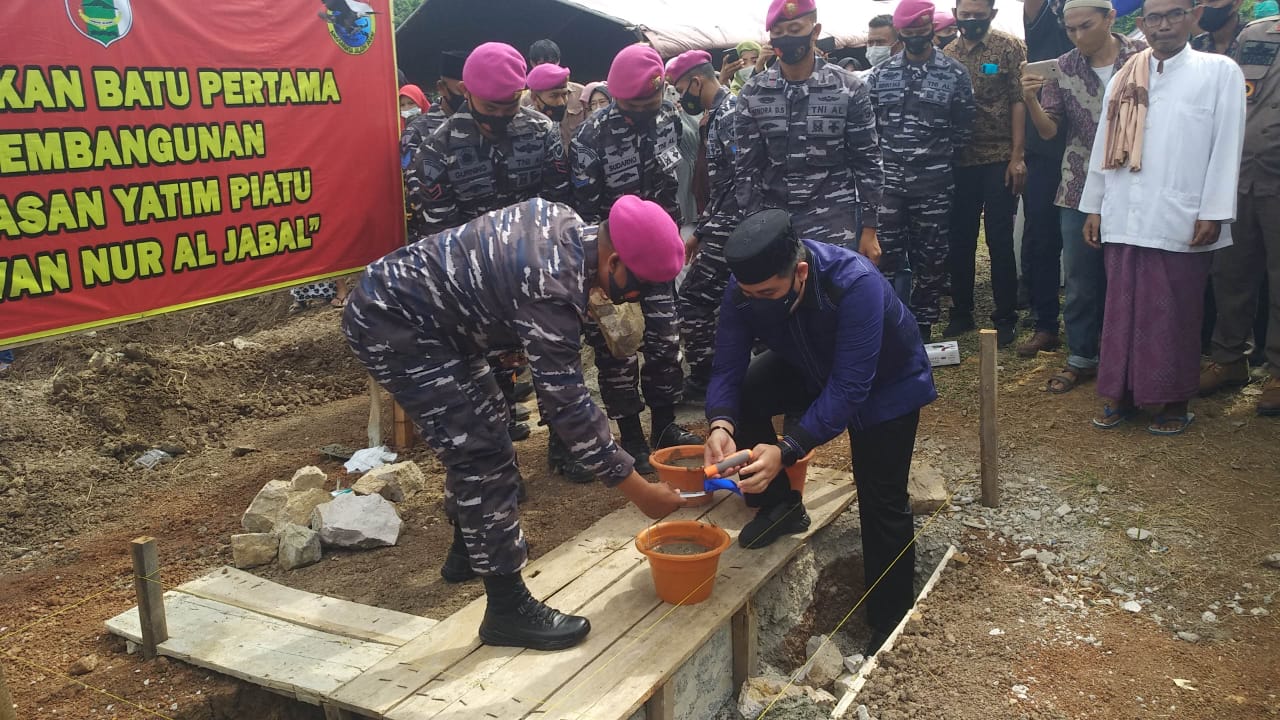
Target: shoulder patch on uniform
1259	52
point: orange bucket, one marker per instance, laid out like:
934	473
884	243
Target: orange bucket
798	472
682	579
673	463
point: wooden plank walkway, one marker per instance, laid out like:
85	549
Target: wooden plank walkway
378	664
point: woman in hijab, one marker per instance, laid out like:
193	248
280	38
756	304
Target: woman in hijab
595	96
413	102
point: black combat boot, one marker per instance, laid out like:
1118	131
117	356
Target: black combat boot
634	443
514	618
666	433
457	568
561	461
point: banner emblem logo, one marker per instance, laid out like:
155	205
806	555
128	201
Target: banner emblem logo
351	24
102	21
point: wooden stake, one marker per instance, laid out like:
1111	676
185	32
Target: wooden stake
146	585
743	634
402	431
989	435
375	413
6	700
662	704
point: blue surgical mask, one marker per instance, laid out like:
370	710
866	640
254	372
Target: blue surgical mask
774	311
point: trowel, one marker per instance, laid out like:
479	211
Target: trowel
714	472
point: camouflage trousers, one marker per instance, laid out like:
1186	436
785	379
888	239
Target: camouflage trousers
699	304
661	377
460	413
913	244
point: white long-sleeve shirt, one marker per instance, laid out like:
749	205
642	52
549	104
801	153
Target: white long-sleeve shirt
1190	158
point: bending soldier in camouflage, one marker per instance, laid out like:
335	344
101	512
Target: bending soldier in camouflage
423	320
489	154
807	139
695	78
924	110
632	147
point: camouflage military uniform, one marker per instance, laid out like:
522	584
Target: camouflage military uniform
458	174
611	159
810	149
411	139
703	286
924	112
422	321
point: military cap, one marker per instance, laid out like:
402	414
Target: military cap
762	246
787	10
451	64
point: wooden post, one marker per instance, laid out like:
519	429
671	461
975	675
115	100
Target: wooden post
375	413
662	704
990	439
402	431
6	700
744	644
146	584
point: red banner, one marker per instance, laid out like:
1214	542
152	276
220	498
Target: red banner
161	154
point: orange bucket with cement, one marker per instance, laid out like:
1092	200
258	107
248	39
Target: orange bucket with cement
681	468
684	556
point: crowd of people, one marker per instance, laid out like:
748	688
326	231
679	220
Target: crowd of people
829	207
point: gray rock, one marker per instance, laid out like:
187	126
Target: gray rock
1188	636
1048	558
385	484
84	665
758	692
1132	606
301	503
299	547
1209	616
308	478
853	663
1139	534
927	489
1063	510
253	549
407	476
267	507
864	713
1272	561
357	521
1033	515
825	662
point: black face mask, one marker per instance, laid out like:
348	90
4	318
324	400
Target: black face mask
918	45
555	112
774	311
625	293
496	124
454	100
974	29
945	40
1214	18
794	49
640	118
692	103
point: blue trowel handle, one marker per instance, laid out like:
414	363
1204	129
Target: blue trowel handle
720	484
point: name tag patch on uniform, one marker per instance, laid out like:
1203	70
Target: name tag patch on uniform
623	163
1259	52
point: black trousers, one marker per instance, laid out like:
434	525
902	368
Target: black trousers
1042	239
881	464
982	199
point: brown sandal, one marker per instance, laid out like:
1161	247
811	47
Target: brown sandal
1068	378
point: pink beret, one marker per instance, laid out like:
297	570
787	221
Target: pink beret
909	11
636	73
494	72
646	239
548	76
943	19
785	10
686	61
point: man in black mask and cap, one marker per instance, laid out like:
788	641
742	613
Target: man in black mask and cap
807	138
845	355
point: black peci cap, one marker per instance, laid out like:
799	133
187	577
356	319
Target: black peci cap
451	62
762	246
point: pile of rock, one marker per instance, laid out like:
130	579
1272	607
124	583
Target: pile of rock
825	671
291	520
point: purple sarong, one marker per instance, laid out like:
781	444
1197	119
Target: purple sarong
1151	327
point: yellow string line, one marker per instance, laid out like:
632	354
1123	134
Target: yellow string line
827	638
109	694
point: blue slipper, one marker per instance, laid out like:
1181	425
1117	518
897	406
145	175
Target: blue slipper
1112	417
1184	422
